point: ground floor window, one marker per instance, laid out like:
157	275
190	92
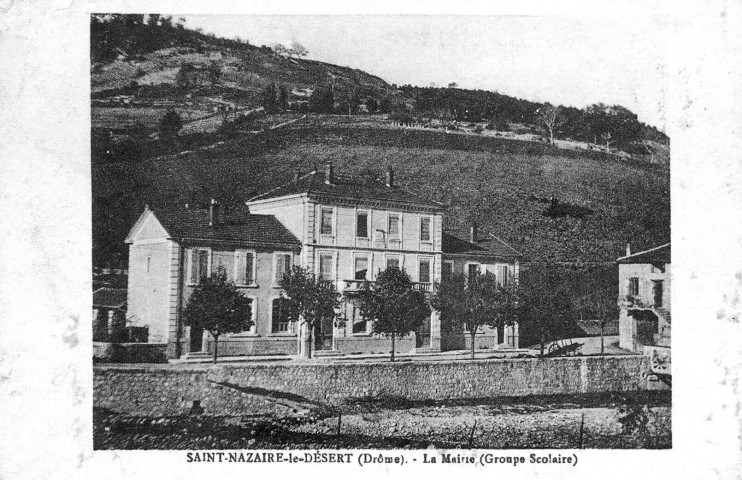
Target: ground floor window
358	323
280	316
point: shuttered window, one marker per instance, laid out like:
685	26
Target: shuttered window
199	265
223	262
362	225
393	226
283	266
425	229
424	272
244	267
325	266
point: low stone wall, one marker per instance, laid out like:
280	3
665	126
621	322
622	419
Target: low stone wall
374	344
105	352
274	388
234	346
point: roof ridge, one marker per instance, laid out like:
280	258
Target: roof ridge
313	172
505	243
643	252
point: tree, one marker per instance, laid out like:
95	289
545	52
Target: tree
269	98
473	302
599	302
310	300
215	73
283	97
372	105
298	50
170	124
551	117
217	307
322	100
544	306
186	77
280	49
395	308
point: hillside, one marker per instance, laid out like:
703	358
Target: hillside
602	202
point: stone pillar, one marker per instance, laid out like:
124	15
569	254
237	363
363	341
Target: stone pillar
110	324
435	331
205	342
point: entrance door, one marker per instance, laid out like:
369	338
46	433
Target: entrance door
657	291
323	335
422	335
197	336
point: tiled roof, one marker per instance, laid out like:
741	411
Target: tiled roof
347	186
109	297
659	254
237	226
488	245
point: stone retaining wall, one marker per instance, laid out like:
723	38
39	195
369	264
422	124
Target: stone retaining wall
281	388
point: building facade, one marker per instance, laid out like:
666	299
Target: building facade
644	298
345	229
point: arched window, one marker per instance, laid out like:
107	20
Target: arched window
280	316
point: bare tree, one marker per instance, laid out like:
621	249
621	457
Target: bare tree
298	50
551	118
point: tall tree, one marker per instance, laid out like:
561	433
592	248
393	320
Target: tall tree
283	97
218	307
322	100
598	301
269	97
395	308
310	300
551	117
473	302
545	309
170	124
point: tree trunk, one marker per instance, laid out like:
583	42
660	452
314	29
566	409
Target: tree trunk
602	339
216	345
310	340
473	335
392	347
543	344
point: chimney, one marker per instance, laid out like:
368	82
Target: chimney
297	174
329	174
213	213
473	232
390	177
628	249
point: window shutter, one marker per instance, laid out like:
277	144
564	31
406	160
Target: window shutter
280	268
249	267
240	277
193	277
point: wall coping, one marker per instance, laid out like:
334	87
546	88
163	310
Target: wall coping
206	368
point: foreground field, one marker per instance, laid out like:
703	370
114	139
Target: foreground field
569	422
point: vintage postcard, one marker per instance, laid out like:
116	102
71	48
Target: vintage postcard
369	242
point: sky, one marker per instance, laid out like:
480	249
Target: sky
573	61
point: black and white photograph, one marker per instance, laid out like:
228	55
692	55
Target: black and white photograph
440	234
352	240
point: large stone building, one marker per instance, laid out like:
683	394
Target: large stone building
644	298
345	229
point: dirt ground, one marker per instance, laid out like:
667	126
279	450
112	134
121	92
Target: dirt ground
618	421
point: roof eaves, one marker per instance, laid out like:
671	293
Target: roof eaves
628	257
